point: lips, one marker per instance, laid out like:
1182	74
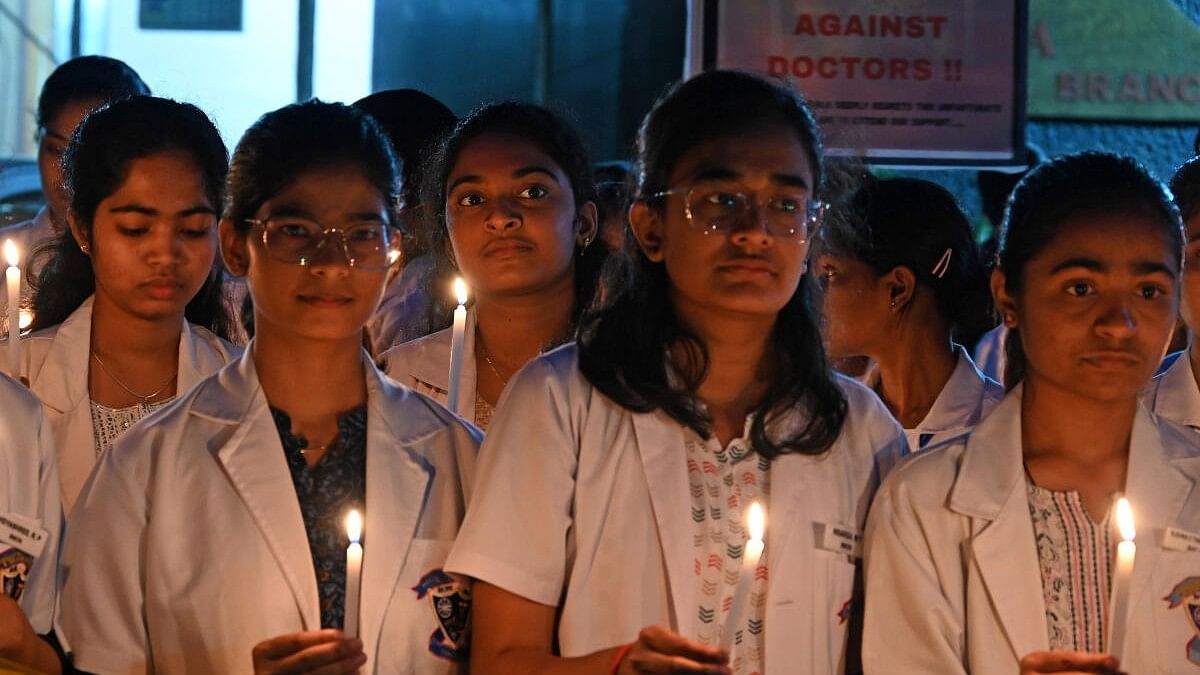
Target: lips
1113	360
508	246
754	266
325	300
162	287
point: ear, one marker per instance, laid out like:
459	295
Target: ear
587	223
901	285
1005	303
77	232
235	249
647	228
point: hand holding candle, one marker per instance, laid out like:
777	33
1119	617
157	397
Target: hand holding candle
458	338
1122	576
12	277
354	555
754	549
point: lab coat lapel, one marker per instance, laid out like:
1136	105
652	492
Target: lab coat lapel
432	366
397	484
660	445
254	460
991	490
1157	490
62	385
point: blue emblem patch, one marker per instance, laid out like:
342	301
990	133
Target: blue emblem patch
450	600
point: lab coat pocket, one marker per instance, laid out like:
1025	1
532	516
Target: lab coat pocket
426	629
1176	609
831	591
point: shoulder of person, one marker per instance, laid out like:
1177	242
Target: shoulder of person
215	345
398	360
927	477
1180	444
556	371
414	415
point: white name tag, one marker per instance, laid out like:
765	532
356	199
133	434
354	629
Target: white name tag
1173	539
21	542
839	539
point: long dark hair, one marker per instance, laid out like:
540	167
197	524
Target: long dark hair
917	224
622	345
86	78
551	134
95	165
1082	184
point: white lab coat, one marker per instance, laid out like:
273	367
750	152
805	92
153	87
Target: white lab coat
990	354
953	582
29	488
57	360
424	364
967	398
187	546
584	505
1174	396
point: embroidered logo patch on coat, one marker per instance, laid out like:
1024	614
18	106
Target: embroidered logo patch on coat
450	599
1187	594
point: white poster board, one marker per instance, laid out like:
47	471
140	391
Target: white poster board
909	82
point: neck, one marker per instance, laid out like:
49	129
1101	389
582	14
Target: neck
516	328
308	378
117	333
1193	355
733	385
1059	424
909	387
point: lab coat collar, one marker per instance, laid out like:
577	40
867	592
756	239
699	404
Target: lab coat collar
959	405
1175	394
432	365
63	382
398	474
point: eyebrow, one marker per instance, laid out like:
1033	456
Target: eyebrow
1093	265
55	135
148	211
519	173
301	212
718	173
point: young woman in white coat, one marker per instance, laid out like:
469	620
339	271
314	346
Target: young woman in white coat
995	553
213	538
902	284
1175	393
29	499
128	312
511	194
616	480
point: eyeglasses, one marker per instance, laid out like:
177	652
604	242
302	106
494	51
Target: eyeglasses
297	240
790	215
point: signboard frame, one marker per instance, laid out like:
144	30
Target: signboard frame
703	34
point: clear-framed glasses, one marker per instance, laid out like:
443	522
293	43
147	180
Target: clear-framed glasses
790	214
369	245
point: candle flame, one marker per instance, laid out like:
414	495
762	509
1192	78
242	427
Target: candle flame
10	253
354	527
757	522
460	290
1125	519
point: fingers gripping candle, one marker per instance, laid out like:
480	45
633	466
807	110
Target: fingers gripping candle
354	556
458	338
1122	577
13	278
757	523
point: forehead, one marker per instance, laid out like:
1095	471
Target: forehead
501	153
1117	241
341	185
751	155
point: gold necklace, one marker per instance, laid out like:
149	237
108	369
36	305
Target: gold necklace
487	358
144	400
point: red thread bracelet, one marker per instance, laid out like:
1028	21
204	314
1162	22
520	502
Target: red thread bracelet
621	654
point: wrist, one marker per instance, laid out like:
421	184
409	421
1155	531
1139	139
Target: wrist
620	658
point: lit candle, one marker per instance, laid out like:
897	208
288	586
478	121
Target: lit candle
1119	606
754	549
458	337
354	556
13	277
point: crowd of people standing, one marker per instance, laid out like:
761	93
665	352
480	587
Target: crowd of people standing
231	353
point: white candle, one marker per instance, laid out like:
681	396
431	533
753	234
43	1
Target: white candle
1122	577
757	523
12	276
354	556
458	337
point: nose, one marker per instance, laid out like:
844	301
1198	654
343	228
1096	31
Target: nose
503	216
752	229
1116	319
331	257
165	246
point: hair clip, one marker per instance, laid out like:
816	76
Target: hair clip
943	264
